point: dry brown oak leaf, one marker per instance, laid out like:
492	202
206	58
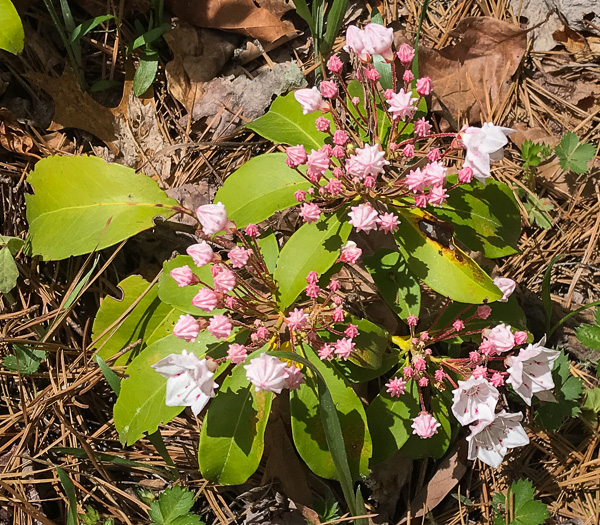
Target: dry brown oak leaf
471	78
261	19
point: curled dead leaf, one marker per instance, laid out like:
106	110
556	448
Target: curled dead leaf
12	136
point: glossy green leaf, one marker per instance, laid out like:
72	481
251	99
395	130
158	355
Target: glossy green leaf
11	28
284	123
390	419
149	320
269	248
262	186
89	25
83	203
485	218
233	430
450	272
14	244
140	406
145	72
358	374
397	285
307	425
315	247
9	273
113	380
371	343
181	297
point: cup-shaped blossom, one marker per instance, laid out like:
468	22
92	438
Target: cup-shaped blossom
220	326
213	218
351	253
201	253
402	105
490	440
206	300
189	380
363	217
474	399
502	338
484	145
405	54
355	41
507	287
295	156
424	86
237	353
530	372
425	425
310	100
267	373
238	257
186	328
378	40
184	276
369	160
224	279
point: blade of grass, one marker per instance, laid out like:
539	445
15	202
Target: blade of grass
304	12
113	380
69	488
335	17
415	68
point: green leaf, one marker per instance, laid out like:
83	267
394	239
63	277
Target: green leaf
89	25
435	446
314	246
9	273
358	374
83	203
399	288
589	335
140	406
530	153
284	123
172	508
572	155
526	510
14	244
233	430
150	319
145	72
150	36
262	186
335	17
485	218
371	343
269	248
307	424
592	399
390	419
29	360
69	488
113	380
11	32
450	272
181	297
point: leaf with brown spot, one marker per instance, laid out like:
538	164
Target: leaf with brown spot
472	77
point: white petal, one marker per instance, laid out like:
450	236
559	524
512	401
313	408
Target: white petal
177	389
199	403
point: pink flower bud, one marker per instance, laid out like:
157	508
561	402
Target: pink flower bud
425	425
206	300
238	257
231	302
220	326
338	315
310	212
351	331
213	218
224	279
295	156
237	353
295	377
186	328
326	352
458	325
520	338
497	379
252	230
339	152
310	100
322	124
405	54
329	89
423	382
412	320
300	195
334	64
337	300
422	127
507	287
424	86
334	285
396	387
424	336
312	277
474	357
267	373
465	175
184	276
440	375
355	101
419	364
388	93
483	311
312	291
363	217
421	200
297	319
350	253
408	151
378	40
340	137
434	155
372	74
408	371
408	76
344	348
480	372
388	222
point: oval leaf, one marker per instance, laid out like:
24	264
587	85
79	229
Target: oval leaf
233	430
262	186
314	246
150	320
284	123
11	28
485	218
83	203
449	272
307	428
140	406
181	298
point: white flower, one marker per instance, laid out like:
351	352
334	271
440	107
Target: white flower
506	286
189	380
490	440
267	373
474	399
484	145
530	372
